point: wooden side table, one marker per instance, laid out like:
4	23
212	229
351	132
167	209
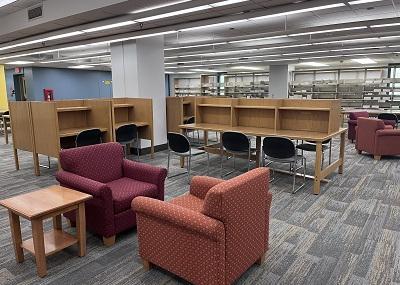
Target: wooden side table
43	204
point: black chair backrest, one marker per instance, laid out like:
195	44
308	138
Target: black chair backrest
6	113
235	141
126	133
279	147
88	137
190	120
387	116
178	142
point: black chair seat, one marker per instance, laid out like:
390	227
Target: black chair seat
310	147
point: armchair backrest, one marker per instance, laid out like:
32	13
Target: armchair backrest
356	115
242	204
101	162
366	132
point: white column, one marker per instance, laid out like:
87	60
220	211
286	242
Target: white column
278	81
138	72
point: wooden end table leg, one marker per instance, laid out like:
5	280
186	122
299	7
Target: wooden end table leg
16	160
317	172
16	236
81	229
258	151
205	137
38	243
57	224
341	152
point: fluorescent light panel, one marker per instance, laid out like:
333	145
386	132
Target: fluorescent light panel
329	31
19	62
159	6
83	66
195	46
357	2
315	64
111	26
6	2
75	59
365	60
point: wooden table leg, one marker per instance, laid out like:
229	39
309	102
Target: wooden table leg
258	151
16	160
317	171
38	244
205	137
57	224
16	236
341	152
81	229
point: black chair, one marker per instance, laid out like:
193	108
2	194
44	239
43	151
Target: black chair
192	120
179	145
127	134
88	137
235	144
389	117
283	150
312	147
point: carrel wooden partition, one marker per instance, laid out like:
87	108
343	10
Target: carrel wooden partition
138	111
21	124
179	109
57	121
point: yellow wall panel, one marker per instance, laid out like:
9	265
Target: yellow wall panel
3	89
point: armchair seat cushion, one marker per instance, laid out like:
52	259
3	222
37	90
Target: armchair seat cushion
124	190
189	201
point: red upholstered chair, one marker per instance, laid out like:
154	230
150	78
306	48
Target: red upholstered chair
210	235
102	171
374	138
352	123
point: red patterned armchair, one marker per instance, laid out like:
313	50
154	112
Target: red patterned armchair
353	116
102	171
374	138
210	235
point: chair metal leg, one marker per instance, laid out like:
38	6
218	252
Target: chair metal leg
188	167
208	163
48	161
304	161
248	161
330	152
137	147
294	176
169	157
222	163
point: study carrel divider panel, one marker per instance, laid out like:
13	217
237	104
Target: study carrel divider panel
137	111
179	109
55	120
318	116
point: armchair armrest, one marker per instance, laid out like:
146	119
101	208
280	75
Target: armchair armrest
83	184
388	132
201	184
146	173
180	217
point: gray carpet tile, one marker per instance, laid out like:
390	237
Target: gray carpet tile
349	234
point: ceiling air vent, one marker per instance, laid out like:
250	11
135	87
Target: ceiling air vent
35	12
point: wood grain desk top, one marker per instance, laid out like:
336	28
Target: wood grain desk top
45	201
74	132
263	132
138	124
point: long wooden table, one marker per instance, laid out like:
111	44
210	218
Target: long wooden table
318	138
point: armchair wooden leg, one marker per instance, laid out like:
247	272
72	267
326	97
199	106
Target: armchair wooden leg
377	157
109	241
146	265
261	260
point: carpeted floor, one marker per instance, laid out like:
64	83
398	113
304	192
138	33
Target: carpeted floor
349	234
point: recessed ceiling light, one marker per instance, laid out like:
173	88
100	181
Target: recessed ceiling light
241	67
83	66
6	2
111	26
19	62
208	70
159	6
312	63
356	2
365	60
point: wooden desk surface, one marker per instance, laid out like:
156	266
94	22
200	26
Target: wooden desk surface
74	132
45	201
138	124
263	132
